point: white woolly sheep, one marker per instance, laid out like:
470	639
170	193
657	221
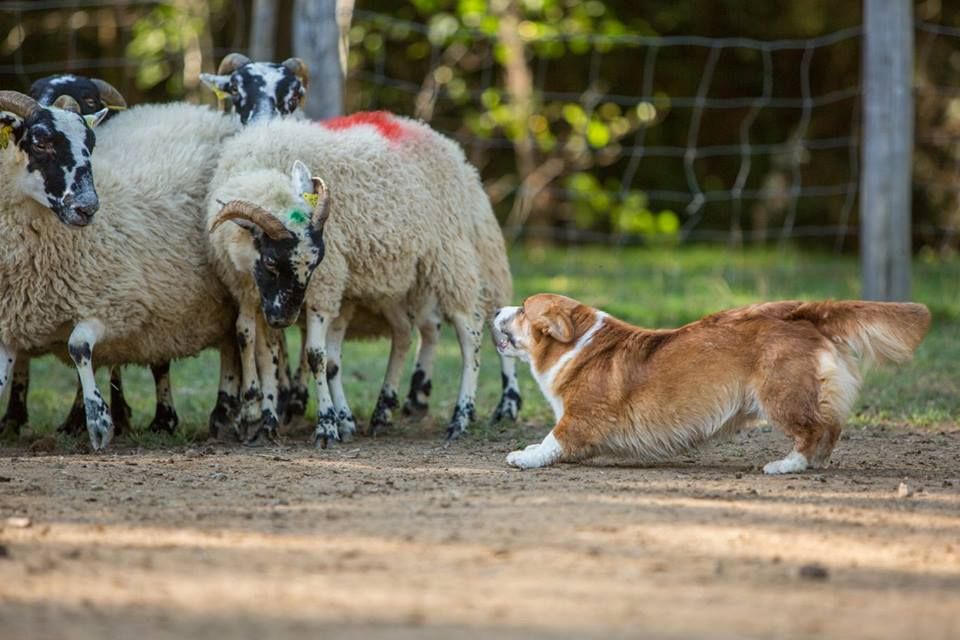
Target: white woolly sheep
136	286
262	91
399	243
92	95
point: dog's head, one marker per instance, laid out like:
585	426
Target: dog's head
544	323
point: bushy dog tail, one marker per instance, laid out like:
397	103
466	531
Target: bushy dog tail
873	332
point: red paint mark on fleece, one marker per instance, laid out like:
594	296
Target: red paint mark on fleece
383	121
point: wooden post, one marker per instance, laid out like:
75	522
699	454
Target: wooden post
886	149
316	39
262	30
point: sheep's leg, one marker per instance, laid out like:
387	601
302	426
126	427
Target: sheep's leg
8	365
82	340
400	327
299	394
267	353
283	378
165	418
251	395
346	424
510	400
421	382
469	333
225	413
75	421
120	411
326	432
16	415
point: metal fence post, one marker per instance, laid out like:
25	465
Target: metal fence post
886	149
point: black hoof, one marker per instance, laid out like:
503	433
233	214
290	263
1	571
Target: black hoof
165	420
415	409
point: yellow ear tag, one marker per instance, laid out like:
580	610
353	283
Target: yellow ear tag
5	132
90	119
312	199
220	93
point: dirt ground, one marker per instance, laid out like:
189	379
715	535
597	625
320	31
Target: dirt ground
401	537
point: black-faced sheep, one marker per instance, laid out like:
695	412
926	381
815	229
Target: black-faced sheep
92	95
136	287
400	237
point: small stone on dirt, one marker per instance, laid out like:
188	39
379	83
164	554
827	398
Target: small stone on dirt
4	551
904	490
18	522
813	571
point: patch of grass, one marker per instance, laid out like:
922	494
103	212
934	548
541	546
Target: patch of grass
650	287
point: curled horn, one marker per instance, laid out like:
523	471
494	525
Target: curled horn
109	94
18	103
322	211
67	103
299	69
231	63
254	213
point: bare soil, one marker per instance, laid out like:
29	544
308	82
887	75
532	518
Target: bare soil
401	537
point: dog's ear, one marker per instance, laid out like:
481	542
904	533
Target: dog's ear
555	323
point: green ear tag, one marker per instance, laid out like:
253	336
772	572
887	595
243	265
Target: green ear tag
312	199
5	132
298	217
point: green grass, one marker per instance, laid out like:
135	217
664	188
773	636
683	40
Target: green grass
650	287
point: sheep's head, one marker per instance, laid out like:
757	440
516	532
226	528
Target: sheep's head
91	94
260	90
288	245
56	143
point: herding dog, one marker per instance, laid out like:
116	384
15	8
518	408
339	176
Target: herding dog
648	394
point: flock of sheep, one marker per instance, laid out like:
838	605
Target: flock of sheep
221	228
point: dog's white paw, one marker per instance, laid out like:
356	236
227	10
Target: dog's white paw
537	455
515	458
795	462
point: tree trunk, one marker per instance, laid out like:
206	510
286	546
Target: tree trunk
263	28
316	39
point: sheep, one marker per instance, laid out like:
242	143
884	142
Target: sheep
398	244
92	95
261	91
136	286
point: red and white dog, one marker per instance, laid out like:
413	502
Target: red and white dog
649	394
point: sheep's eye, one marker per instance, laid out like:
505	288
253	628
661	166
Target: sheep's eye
43	146
90	102
269	264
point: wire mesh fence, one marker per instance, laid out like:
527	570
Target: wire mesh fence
598	137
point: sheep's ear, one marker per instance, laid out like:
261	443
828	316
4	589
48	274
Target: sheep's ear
93	119
220	85
300	179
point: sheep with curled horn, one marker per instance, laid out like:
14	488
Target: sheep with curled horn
91	96
259	91
235	73
131	283
400	243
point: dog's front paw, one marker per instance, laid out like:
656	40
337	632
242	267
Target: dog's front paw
516	458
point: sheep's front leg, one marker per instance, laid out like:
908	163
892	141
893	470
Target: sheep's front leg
251	395
165	418
400	327
267	352
469	333
16	415
346	424
283	378
299	395
421	382
8	362
225	413
326	432
82	340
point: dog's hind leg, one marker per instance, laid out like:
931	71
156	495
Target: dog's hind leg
790	400
821	457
